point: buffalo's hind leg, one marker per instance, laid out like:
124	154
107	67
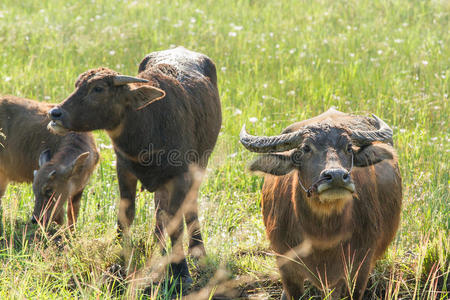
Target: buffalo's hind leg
179	190
196	247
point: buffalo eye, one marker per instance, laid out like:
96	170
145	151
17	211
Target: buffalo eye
306	149
349	148
48	192
98	89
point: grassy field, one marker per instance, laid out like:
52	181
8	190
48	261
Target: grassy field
277	62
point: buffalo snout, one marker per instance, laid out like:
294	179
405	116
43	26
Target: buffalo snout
55	114
336	177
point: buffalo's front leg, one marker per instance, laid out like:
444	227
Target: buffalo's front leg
3	185
127	206
360	277
73	208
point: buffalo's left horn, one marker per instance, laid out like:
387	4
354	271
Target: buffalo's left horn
382	134
266	144
123	79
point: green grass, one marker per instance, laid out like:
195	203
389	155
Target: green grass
277	61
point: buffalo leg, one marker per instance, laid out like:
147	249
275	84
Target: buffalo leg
161	201
362	276
73	208
193	177
178	189
127	205
293	288
196	247
3	185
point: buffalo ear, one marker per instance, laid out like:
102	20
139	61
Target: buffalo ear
372	154
145	94
44	157
76	165
274	164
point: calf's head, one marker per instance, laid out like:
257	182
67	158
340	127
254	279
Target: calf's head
99	101
323	156
53	184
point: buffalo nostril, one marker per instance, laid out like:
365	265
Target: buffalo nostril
327	176
55	113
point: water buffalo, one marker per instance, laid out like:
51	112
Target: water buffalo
161	123
58	166
331	199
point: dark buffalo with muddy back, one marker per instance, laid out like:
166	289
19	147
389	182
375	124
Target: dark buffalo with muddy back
58	166
331	200
163	125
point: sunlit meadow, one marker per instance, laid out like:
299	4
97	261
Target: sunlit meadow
277	62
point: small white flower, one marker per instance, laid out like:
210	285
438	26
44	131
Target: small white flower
424	62
7	79
223	69
237	112
380	52
281	82
46	97
232	33
104	146
292	51
112	52
253	119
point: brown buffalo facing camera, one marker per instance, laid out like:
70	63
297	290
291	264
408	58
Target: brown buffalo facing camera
163	124
331	200
58	166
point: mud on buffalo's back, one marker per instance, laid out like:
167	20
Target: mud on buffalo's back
181	64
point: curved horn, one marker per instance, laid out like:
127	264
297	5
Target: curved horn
382	134
266	144
123	79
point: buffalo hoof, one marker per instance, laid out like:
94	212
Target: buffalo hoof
179	276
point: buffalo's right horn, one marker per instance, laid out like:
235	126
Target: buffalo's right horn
123	79
266	144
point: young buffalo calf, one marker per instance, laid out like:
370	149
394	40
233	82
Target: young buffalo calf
163	124
58	166
331	200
